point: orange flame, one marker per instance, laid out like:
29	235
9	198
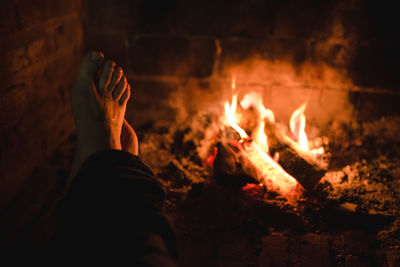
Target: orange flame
230	115
298	126
260	137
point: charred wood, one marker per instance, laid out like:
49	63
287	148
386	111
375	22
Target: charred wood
298	163
233	168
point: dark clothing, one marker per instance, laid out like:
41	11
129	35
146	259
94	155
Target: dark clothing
113	211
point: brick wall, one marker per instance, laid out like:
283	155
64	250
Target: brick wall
41	44
186	51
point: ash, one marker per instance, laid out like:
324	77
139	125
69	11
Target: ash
351	218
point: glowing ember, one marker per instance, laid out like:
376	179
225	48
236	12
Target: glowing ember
253	189
211	158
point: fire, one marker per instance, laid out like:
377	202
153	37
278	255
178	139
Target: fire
298	126
255	144
256	148
230	111
254	100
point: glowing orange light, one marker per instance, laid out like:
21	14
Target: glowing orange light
230	111
298	126
254	100
260	137
271	173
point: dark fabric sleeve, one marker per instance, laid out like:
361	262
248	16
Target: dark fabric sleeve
113	210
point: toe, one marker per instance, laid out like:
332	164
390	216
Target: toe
116	77
125	96
120	89
90	65
105	76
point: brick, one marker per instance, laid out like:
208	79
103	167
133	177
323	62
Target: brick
35	112
114	45
33	86
13	62
8	22
68	31
35	11
118	14
36	135
375	65
322	104
196	17
212	18
179	56
58	8
302	19
238	50
14	104
31	11
17	162
371	106
175	100
143	107
37	44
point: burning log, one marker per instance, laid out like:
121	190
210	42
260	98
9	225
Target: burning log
266	139
298	163
233	168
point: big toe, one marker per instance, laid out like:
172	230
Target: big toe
90	66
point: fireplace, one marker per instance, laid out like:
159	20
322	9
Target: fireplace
272	124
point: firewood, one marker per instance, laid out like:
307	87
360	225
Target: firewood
298	163
233	168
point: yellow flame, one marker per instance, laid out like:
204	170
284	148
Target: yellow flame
298	126
260	137
230	115
254	100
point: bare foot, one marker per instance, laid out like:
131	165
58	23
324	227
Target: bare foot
98	110
129	141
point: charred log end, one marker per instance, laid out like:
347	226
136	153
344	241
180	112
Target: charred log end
233	169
